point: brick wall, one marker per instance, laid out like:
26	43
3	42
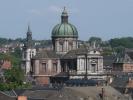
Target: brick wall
42	80
128	67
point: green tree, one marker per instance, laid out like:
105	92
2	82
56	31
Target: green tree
13	79
96	39
126	42
15	74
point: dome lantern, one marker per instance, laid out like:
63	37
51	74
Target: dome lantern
64	16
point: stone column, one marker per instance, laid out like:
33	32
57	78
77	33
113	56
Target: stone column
77	64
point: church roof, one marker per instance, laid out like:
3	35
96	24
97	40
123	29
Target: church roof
64	29
73	53
46	54
80	51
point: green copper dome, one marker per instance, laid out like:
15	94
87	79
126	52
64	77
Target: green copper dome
64	29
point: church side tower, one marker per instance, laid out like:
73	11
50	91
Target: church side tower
64	35
28	52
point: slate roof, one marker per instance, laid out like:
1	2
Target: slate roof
51	94
124	57
120	81
7	95
80	51
72	93
108	60
73	53
46	54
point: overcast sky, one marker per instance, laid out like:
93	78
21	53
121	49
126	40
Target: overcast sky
103	18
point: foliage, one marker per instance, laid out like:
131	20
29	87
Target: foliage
17	52
13	57
4	56
15	74
3	41
96	39
16	57
13	79
107	52
126	42
45	43
10	86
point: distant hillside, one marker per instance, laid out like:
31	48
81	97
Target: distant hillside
41	43
112	44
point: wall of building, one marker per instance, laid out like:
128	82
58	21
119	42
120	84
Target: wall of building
63	45
96	60
117	67
42	80
128	67
26	58
43	73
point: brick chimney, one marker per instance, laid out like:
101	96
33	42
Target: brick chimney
22	98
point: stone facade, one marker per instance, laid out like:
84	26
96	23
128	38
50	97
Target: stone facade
94	63
63	45
45	66
82	62
66	60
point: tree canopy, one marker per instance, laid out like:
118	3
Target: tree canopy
126	42
13	79
95	39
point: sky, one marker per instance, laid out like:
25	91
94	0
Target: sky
101	18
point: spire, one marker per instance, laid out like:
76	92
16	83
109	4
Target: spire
29	38
64	16
29	31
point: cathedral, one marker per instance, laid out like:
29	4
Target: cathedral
66	60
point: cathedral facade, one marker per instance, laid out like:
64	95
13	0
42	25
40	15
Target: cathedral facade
66	60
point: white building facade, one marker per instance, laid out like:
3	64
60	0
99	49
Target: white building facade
93	60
